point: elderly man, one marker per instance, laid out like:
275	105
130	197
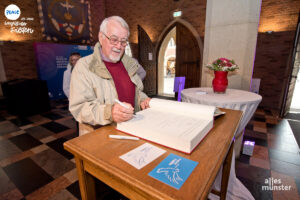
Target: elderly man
106	76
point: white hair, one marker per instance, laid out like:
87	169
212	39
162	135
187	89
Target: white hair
103	26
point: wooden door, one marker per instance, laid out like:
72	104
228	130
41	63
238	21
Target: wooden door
293	72
188	60
147	60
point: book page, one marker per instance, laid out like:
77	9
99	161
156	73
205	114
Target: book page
172	125
183	108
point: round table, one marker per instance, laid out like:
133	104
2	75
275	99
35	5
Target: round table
232	99
236	100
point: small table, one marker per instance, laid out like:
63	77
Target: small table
97	155
232	99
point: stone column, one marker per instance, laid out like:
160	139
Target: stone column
231	31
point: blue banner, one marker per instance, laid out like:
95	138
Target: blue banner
52	61
66	20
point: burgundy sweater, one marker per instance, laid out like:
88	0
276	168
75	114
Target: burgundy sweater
125	87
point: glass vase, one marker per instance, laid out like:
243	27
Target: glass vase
220	82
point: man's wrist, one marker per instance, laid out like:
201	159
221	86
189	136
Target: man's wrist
108	112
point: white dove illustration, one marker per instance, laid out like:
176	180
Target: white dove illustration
66	5
171	172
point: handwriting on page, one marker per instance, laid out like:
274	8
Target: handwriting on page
142	155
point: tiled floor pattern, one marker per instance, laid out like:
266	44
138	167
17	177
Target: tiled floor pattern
34	165
275	159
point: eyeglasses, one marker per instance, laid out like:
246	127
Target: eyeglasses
114	40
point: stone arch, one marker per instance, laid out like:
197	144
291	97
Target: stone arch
170	26
161	39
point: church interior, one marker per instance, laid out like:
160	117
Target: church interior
169	38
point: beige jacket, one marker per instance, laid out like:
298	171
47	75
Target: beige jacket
92	89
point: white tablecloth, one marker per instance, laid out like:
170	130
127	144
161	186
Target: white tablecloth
232	99
236	100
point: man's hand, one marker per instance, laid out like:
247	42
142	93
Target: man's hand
121	114
145	103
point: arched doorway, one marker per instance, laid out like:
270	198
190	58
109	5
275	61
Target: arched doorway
188	57
128	51
166	63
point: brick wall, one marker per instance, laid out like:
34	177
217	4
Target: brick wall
154	16
270	66
278	15
273	49
18	56
19	60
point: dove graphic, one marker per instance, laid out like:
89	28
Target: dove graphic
172	172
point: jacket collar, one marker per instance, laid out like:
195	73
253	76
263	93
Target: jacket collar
98	67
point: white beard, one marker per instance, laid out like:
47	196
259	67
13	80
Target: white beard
115	58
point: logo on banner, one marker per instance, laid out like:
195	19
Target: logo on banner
12	12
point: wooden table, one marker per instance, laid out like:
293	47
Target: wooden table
96	155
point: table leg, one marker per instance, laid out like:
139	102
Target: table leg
226	172
238	144
86	182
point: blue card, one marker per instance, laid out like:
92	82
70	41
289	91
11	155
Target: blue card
173	170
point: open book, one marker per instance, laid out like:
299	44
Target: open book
178	125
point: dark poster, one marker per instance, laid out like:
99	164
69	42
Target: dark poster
65	20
